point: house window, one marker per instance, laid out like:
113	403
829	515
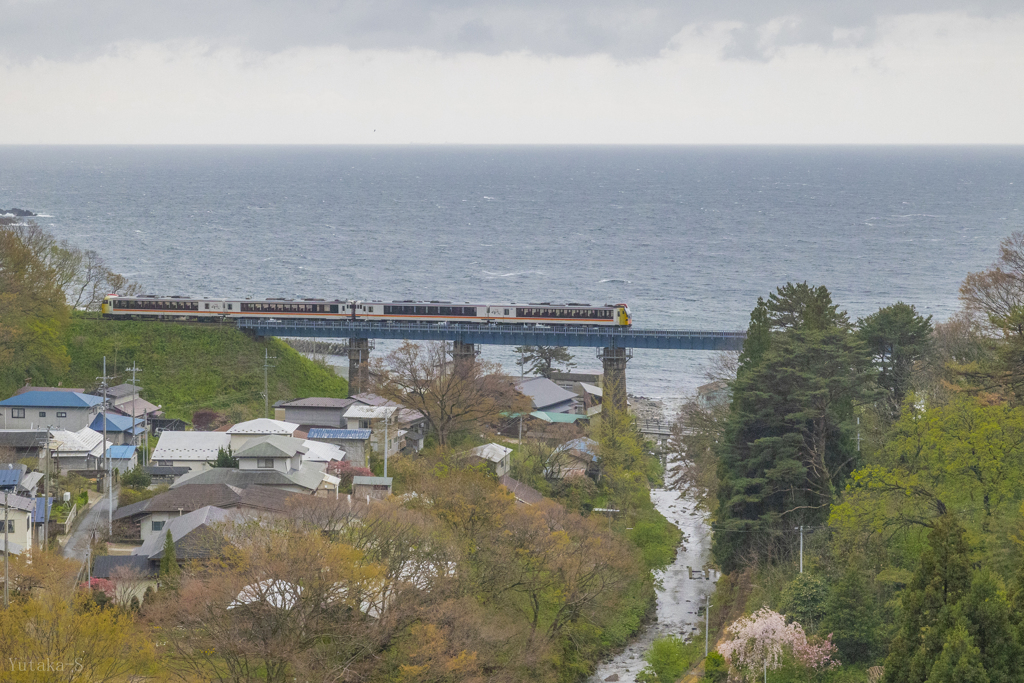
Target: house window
10	526
265	463
42	413
158	526
61	414
364	424
17	412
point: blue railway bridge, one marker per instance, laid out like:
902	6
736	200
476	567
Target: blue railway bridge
614	344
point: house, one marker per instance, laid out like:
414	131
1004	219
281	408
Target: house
309	479
122	458
11	476
140	408
714	394
197	535
317	412
195	450
281	453
378	419
243	431
547	396
355	442
134	570
81	451
525	495
569	378
68	410
497	457
372	487
413	422
29	484
165	475
121	429
22	443
142	519
591	397
574	458
19	510
120	394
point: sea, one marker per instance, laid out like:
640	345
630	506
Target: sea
689	237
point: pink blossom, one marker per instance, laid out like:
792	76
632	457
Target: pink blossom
764	638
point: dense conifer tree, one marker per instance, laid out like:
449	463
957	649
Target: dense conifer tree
852	618
787	447
897	337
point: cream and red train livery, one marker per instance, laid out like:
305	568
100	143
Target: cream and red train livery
188	308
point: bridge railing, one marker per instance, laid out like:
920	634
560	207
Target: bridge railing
508	334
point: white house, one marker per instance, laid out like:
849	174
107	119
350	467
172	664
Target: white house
19	523
495	455
195	450
243	431
81	450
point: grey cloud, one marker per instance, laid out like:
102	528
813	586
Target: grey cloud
627	30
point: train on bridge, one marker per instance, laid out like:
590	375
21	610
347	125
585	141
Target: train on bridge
208	309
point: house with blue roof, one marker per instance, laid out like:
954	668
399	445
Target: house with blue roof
121	429
68	410
355	442
122	458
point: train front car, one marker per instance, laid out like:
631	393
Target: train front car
622	315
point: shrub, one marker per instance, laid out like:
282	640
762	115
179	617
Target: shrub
136	479
667	660
716	669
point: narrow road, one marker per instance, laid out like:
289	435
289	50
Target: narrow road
95	519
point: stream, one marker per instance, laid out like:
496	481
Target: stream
679	596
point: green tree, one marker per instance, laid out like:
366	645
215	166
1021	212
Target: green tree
942	578
542	359
225	458
897	337
852	617
169	569
667	660
136	478
787	445
960	660
988	620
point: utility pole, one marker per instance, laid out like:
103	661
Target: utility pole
707	610
46	493
135	394
801	548
106	455
522	370
7	554
386	441
266	389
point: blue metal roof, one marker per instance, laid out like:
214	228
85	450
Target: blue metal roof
121	452
37	515
119	423
10	477
326	433
52	399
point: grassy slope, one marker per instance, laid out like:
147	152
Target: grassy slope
191	366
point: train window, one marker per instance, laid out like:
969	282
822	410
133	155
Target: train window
334	308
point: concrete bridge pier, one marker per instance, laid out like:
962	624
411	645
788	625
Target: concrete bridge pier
358	365
614	360
462	351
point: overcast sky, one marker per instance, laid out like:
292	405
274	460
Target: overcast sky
532	71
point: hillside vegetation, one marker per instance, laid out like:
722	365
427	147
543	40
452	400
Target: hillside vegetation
187	367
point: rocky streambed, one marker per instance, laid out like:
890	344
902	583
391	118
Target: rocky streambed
678	598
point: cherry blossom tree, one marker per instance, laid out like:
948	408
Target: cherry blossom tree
764	639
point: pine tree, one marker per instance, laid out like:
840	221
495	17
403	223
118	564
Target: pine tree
787	446
897	337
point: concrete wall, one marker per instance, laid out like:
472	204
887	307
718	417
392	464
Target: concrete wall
322	417
22	527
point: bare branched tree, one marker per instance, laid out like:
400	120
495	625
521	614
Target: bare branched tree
452	395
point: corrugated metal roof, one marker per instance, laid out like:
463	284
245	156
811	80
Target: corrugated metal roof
52	399
490	451
29	482
38	511
107	566
362	412
10	477
22	438
190	446
264	426
372	481
121	390
326	433
121	452
16	502
565	418
119	423
543	392
318	402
